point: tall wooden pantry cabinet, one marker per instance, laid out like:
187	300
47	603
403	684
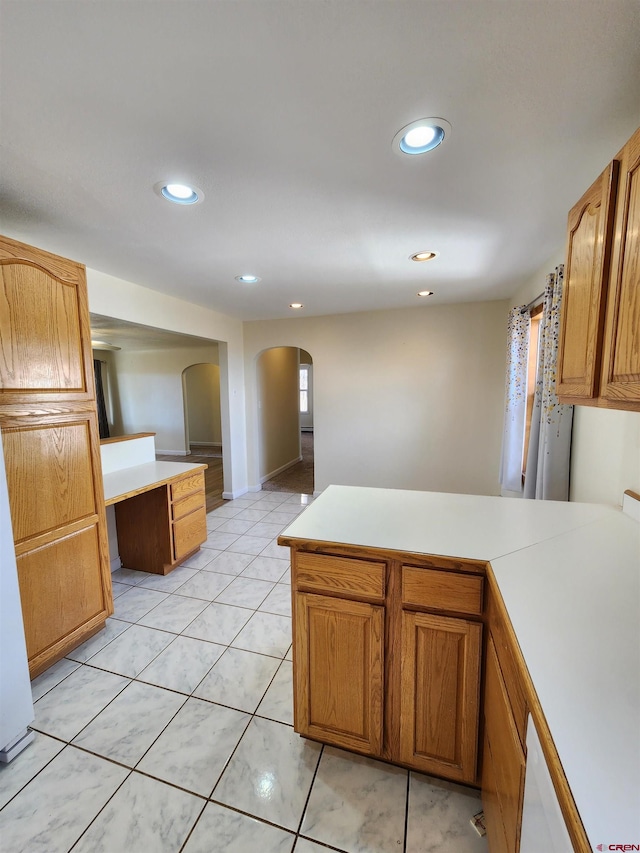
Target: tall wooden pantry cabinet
52	451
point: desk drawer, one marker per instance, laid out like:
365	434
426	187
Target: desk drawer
187	485
186	505
340	575
437	590
189	532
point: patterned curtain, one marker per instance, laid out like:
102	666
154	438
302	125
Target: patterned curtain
103	423
549	453
515	400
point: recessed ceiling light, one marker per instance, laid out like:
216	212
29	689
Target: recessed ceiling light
248	279
421	136
179	193
296	305
425	293
423	256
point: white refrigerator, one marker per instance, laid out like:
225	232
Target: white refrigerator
16	704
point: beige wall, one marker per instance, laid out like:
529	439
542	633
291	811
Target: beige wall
278	419
605	449
408	404
202	390
124	300
410	398
151	392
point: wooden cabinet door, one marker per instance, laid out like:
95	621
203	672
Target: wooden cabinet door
590	237
44	327
57	512
440	678
621	369
503	765
338	687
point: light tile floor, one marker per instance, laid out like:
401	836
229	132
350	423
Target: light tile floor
171	730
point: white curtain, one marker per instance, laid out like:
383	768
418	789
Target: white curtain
515	400
549	455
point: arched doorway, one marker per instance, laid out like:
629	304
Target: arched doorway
203	425
285	419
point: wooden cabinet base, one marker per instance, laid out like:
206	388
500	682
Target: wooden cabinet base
56	652
161	528
375	672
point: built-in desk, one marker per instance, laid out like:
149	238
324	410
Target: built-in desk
129	482
160	508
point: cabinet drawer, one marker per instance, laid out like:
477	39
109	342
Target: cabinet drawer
187	485
343	575
189	532
438	590
186	505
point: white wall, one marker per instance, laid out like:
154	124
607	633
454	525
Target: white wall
151	392
410	398
202	390
605	454
605	449
278	416
114	297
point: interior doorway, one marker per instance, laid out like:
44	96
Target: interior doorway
284	381
203	422
203	425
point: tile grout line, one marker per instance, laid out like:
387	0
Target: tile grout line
406	812
186	697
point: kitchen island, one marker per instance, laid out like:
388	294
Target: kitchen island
391	574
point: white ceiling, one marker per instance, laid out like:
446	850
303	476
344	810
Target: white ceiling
283	112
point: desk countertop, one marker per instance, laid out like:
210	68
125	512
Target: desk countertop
128	482
569	575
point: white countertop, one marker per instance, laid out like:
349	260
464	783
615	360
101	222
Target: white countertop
140	478
473	527
574	603
569	575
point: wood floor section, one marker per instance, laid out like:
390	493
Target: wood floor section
213	481
298	479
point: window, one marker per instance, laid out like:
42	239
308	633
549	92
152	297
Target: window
532	370
304	390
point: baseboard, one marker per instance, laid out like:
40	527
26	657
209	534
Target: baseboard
306	429
279	470
231	496
206	444
115	564
172	452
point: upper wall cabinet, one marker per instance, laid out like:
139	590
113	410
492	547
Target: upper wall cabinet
599	347
621	364
590	233
45	353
